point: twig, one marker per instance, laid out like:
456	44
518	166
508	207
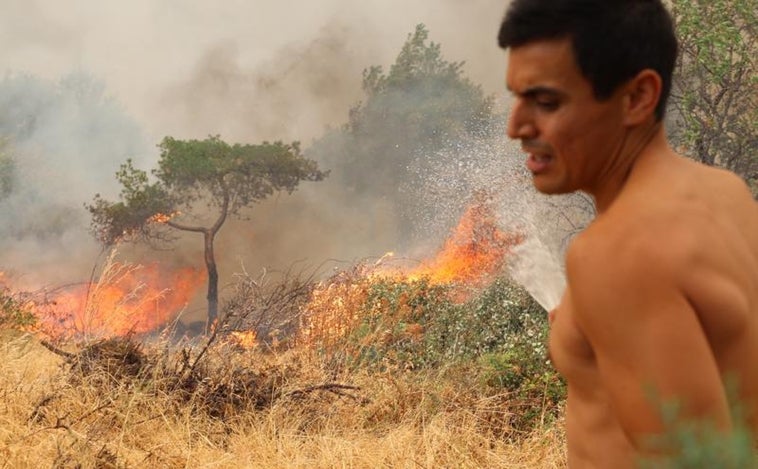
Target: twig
57	351
334	388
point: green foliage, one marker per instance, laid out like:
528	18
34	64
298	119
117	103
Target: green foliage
394	320
698	447
424	97
529	378
14	312
715	93
242	174
688	444
140	201
419	324
502	317
498	336
227	177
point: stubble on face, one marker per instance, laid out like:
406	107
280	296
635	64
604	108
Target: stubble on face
563	128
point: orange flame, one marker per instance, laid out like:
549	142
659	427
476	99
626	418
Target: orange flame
132	300
162	217
248	340
475	251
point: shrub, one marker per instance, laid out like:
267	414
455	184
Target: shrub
500	318
699	444
392	325
15	311
416	323
401	325
534	386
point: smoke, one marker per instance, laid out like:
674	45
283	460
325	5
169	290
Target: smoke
62	137
90	85
155	56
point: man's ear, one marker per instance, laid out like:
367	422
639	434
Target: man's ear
642	94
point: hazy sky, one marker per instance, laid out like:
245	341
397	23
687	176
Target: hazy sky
246	69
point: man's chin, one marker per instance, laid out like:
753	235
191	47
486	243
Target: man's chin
547	187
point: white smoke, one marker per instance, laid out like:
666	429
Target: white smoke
90	84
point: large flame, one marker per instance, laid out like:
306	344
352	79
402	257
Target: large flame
473	255
476	250
130	299
127	299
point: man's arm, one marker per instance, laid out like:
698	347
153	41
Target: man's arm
646	336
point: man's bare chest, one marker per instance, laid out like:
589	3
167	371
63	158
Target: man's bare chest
570	351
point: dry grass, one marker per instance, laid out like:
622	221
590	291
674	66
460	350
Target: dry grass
246	409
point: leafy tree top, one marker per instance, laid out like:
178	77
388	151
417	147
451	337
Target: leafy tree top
716	83
225	177
422	90
423	104
416	62
192	170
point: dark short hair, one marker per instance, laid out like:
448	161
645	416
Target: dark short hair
613	40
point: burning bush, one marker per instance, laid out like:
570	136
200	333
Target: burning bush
16	310
265	310
412	323
390	324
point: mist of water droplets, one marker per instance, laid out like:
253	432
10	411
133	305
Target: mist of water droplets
446	182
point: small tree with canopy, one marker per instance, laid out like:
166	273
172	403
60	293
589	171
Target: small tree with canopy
224	178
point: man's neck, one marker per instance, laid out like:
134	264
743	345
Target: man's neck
636	145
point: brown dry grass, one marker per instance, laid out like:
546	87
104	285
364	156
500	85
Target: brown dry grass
55	415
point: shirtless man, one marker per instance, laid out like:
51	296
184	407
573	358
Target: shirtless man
662	287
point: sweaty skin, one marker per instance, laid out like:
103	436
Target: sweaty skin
662	287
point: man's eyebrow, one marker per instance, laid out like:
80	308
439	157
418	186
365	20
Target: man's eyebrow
537	91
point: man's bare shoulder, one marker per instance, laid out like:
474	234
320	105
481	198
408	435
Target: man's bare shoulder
627	241
665	233
725	187
676	214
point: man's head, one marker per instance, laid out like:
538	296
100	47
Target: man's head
612	40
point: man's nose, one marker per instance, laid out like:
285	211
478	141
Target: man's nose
520	122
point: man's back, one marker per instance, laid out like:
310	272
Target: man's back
662	295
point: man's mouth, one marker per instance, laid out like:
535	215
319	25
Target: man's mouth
538	162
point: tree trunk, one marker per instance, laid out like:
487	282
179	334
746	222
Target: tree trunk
209	234
210	265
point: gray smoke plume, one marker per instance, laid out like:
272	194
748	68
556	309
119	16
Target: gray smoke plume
90	85
63	138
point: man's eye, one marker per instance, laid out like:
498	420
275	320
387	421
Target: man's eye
548	105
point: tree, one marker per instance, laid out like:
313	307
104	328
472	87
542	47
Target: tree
422	105
226	178
715	94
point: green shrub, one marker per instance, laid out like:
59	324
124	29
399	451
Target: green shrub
502	331
500	318
418	324
529	378
14	311
395	319
697	444
699	447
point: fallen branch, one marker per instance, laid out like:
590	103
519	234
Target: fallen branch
334	388
57	351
